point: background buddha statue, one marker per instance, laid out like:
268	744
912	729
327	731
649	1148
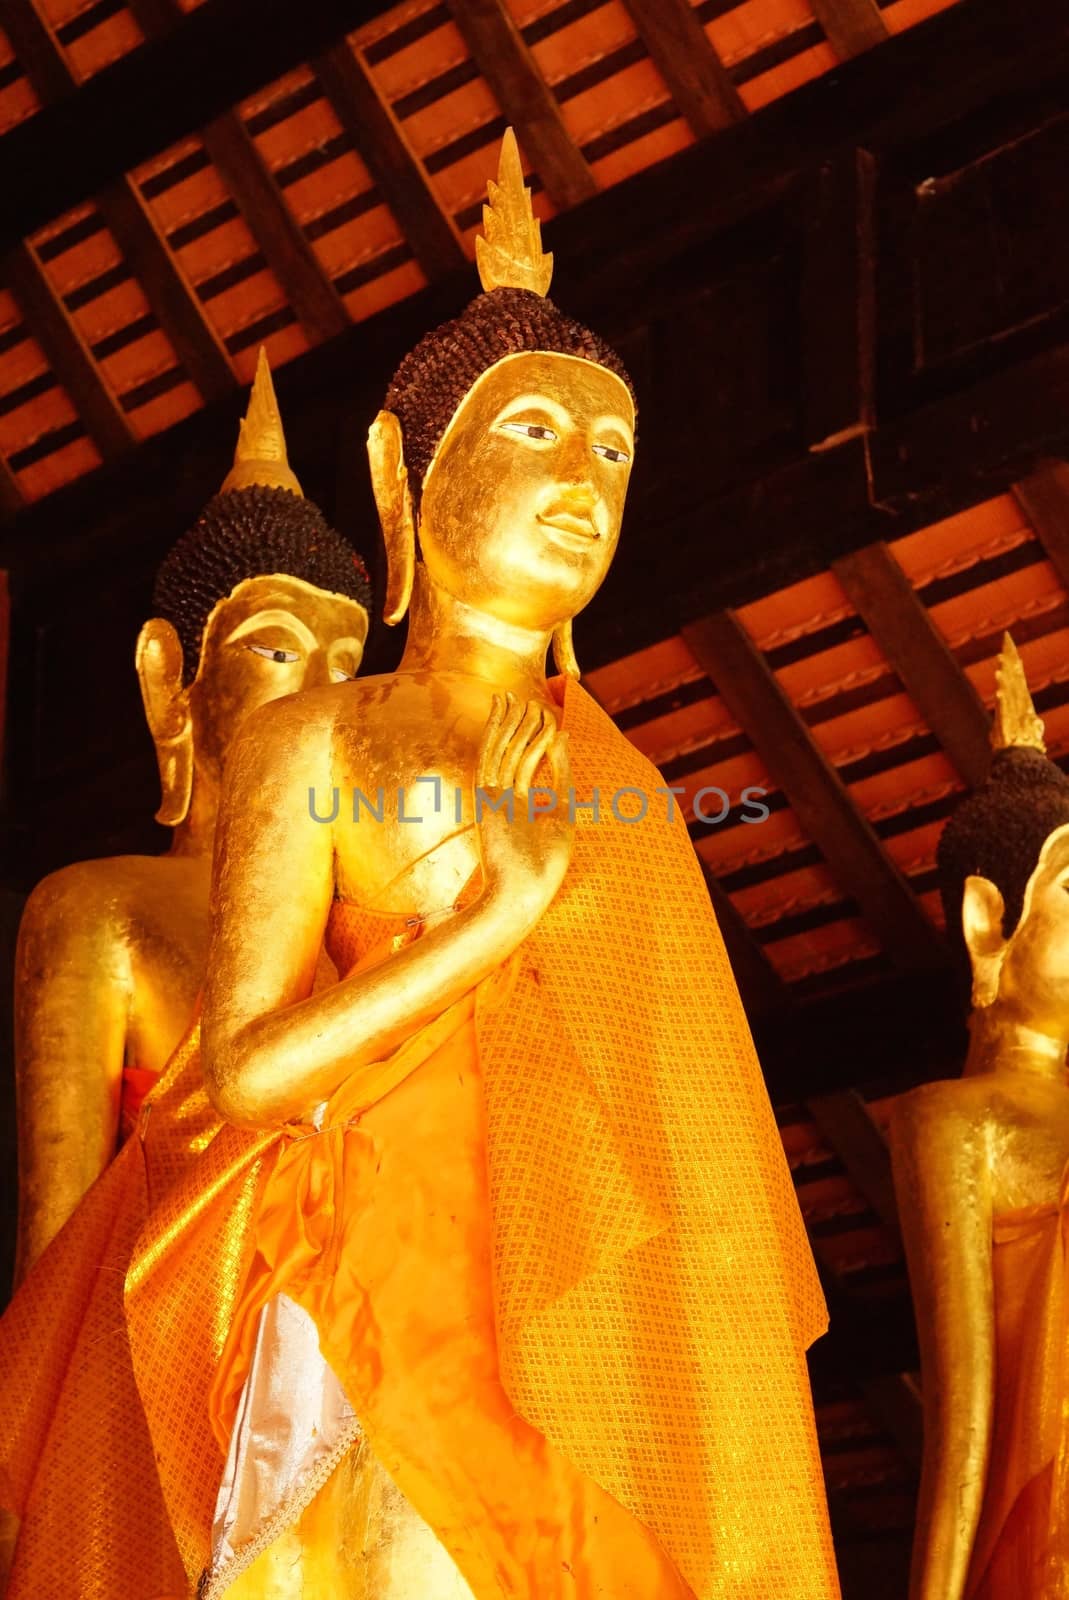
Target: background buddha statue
259	599
980	1168
520	1176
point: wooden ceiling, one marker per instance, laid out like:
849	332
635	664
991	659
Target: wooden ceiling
859	702
343	186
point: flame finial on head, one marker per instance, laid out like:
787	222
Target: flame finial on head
1016	722
509	253
260	457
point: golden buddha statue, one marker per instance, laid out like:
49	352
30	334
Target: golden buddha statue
259	600
981	1166
515	1176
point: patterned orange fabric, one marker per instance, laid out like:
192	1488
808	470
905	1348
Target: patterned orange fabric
76	1460
1022	1543
654	1289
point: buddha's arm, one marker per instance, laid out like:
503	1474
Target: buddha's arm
942	1180
72	996
272	1049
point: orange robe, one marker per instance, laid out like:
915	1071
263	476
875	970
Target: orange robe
554	1256
1021	1550
76	1460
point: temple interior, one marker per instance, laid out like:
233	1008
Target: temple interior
829	239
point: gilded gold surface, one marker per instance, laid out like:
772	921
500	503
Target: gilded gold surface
260	457
111	952
980	1166
509	252
630	1396
553	434
1016	722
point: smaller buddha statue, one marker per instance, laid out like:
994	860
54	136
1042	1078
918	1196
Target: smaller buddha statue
981	1166
261	598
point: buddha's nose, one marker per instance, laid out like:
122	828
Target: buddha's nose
317	672
579	499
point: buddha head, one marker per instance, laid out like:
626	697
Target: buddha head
261	598
1003	863
505	446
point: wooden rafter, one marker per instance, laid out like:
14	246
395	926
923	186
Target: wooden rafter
501	55
399	174
883	597
825	812
5	642
67	352
851	25
696	78
156	95
282	241
170	294
761	988
844	1123
894	1398
168	291
1044	498
318	305
12	499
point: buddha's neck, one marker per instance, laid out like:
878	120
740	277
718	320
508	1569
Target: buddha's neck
445	635
1001	1043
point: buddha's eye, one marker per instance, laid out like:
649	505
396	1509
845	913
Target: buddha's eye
610	453
270	654
531	430
338	675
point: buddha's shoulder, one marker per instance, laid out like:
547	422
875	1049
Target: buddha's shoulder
949	1101
89	899
318	711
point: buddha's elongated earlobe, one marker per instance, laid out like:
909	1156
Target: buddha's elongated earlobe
389	481
564	650
166	702
981	924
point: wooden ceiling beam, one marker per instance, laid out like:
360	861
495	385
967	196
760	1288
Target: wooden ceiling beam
498	49
761	989
67	352
399	174
171	296
1044	498
173	299
697	80
150	98
281	239
845	1124
39	52
901	625
851	25
825	812
12	498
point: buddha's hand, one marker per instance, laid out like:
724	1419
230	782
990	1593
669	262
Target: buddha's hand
525	832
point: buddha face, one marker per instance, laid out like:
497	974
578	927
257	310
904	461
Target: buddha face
522	502
270	637
1034	979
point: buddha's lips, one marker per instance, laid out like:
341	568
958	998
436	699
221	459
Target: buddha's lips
569	522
